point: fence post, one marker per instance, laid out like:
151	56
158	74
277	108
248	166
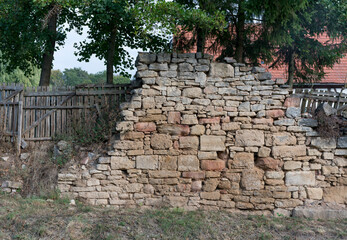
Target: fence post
19	132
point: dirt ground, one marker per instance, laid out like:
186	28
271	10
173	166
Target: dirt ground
55	219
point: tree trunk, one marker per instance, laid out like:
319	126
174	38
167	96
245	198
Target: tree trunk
290	81
47	59
110	57
240	33
200	40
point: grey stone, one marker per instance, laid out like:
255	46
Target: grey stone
342	142
221	70
158	66
308	122
320	213
212	143
229	60
192	92
147	162
249	138
258	70
185	67
300	178
202	68
284	122
323	143
146	57
244	107
164	57
146	74
188	163
264	76
293	112
257	107
326	108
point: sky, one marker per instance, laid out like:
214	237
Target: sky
65	57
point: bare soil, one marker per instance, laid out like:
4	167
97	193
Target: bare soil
47	219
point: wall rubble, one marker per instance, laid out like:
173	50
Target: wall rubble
204	135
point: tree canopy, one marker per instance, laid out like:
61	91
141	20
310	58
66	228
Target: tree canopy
31	30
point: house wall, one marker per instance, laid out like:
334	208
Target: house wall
204	135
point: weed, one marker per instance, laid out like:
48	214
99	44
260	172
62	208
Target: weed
265	236
95	127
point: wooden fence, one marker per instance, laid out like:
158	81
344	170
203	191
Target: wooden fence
36	114
311	98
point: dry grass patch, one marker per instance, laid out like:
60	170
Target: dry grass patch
35	218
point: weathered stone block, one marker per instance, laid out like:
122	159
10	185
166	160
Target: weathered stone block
190	119
133	135
342	142
185	67
212	143
315	193
175	130
146	58
127	145
289	151
174	117
221	70
194	175
249	138
133	187
189	142
214	120
276	113
145	127
283	138
197	130
168	163
293	112
301	178
192	92
212	165
323	143
210	185
252	179
264	152
188	163
292	165
243	160
147	162
122	163
161	141
232	126
207	155
268	163
292	101
335	194
284	122
210	195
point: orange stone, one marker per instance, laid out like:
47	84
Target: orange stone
212	165
145	127
209	120
275	113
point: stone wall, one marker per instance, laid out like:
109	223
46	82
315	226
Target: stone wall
206	135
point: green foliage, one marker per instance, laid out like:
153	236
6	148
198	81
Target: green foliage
76	76
24	32
18	76
113	26
303	52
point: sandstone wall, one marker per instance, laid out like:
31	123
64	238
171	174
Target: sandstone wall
200	134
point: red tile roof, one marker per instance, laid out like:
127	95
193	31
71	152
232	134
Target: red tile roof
337	74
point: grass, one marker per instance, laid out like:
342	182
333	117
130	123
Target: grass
36	218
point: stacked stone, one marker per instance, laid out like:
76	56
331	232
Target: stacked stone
201	134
